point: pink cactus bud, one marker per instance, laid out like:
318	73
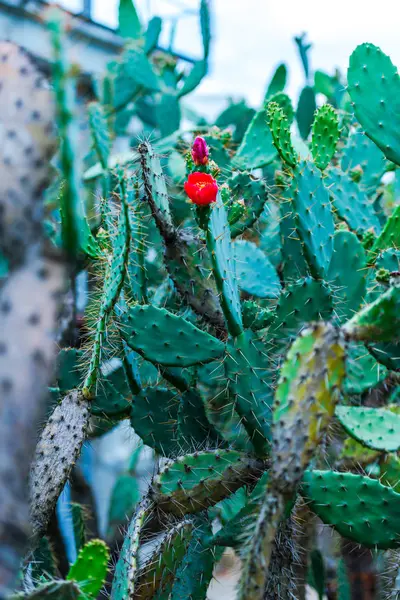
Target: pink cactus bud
200	151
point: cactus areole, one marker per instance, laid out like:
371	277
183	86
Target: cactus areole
201	188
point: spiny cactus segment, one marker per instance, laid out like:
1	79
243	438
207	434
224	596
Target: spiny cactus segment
242	318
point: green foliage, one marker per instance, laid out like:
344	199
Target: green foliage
285	103
325	135
347	273
379	321
279	125
351	203
317	574
305	111
196	569
125	496
315	299
196	481
278	81
373	87
78	523
158	573
372	509
223	334
376	428
90	568
127	566
154	418
257	148
253	192
71	207
361	158
250	260
313	218
128	20
224	265
168	347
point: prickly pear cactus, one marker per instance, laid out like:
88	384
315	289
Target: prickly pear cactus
229	292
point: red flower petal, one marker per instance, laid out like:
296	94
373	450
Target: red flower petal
201	188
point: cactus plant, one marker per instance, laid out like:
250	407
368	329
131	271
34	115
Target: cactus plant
241	318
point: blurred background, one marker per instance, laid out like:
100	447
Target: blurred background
249	37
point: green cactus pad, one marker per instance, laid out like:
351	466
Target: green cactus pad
280	130
193	426
376	428
359	508
250	383
196	481
78	515
363	372
44	562
220	247
154	418
136	280
305	111
354	454
238	115
294	264
69	375
387	354
347	274
374	87
233	532
100	132
190	269
390	471
112	285
167	339
313	217
351	203
278	81
325	135
123	584
168	114
285	103
361	154
389	236
250	260
379	321
257	149
305	400
256	317
304	301
124	498
90	568
254	194
389	259
158	573
134	69
220	407
269	235
196	569
156	188
112	395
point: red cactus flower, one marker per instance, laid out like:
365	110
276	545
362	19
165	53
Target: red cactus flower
200	151
201	188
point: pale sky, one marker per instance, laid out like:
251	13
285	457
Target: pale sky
253	36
